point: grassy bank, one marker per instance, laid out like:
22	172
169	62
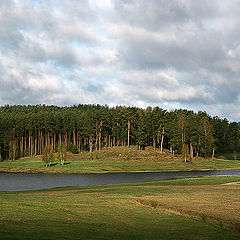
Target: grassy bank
117	159
204	208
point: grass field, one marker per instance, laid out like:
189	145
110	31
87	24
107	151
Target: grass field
117	159
204	208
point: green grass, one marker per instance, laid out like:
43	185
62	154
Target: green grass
173	209
118	159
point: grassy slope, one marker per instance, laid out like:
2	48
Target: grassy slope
118	159
154	210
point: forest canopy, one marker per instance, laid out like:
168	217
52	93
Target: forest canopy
27	130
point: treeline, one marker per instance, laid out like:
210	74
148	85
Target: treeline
27	130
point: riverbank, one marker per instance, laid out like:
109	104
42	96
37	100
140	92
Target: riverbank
117	159
204	208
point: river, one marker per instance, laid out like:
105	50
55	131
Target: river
28	181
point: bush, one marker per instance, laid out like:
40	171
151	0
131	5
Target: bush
73	149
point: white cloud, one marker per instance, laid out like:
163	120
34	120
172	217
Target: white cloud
179	53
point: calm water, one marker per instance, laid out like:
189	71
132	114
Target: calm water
27	181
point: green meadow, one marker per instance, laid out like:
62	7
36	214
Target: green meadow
199	208
202	208
117	159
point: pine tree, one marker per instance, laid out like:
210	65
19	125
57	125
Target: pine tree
141	132
206	136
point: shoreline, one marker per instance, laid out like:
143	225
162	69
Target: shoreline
108	172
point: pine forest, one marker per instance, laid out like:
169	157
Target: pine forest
28	130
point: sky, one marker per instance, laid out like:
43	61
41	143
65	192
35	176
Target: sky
172	54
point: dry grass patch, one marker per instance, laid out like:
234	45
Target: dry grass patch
219	203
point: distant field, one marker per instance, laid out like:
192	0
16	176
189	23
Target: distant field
117	159
204	208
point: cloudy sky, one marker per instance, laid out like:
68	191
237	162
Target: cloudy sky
172	54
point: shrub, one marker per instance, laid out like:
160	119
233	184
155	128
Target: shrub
73	149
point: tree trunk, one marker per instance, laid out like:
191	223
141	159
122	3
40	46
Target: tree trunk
45	139
60	139
96	142
213	151
154	143
105	144
65	139
162	140
54	142
32	145
25	145
29	144
21	146
100	136
129	126
79	144
38	143
69	138
91	144
14	150
235	155
49	139
191	151
41	142
74	137
99	140
35	147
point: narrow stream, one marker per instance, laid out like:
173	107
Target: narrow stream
28	181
